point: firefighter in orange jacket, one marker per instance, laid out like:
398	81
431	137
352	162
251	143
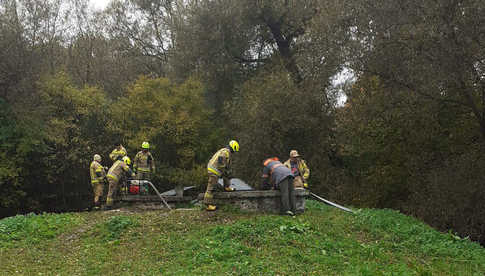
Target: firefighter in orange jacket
279	177
219	166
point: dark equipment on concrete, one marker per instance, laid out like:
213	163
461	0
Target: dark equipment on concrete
237	184
174	193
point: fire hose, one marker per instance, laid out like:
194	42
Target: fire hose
330	203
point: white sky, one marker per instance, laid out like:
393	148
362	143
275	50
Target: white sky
99	4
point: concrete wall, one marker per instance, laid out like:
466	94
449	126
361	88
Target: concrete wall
261	201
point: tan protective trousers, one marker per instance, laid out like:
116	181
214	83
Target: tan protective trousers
98	188
211	186
113	187
298	182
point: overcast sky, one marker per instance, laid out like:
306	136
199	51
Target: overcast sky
99	4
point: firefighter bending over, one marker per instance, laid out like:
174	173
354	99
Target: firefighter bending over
277	176
219	166
114	175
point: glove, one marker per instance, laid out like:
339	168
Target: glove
305	185
134	170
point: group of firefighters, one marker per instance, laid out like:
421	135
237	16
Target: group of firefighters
286	177
143	167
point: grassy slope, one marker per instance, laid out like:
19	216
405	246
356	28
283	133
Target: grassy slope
323	241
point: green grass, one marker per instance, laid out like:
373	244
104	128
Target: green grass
323	241
34	229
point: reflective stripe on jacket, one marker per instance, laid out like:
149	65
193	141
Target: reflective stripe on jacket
117	152
302	168
220	162
97	172
141	162
116	171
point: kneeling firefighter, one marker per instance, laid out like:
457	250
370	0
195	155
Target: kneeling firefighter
115	173
219	166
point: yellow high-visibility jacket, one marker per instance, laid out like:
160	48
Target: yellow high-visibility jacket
116	171
220	163
117	152
303	169
144	162
97	172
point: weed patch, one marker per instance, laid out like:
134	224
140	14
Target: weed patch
33	229
112	229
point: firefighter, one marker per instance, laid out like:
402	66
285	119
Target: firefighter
219	166
98	179
300	170
119	151
278	176
115	173
144	164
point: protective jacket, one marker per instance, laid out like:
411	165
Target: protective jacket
303	169
220	163
97	172
116	171
144	162
275	172
117	153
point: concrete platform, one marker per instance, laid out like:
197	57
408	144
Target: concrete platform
258	201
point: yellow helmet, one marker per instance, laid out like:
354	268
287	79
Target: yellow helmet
127	160
234	145
145	145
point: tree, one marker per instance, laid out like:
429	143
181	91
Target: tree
432	48
268	121
142	25
75	129
173	118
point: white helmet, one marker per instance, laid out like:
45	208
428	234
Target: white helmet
97	158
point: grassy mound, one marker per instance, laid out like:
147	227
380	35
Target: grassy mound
323	241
